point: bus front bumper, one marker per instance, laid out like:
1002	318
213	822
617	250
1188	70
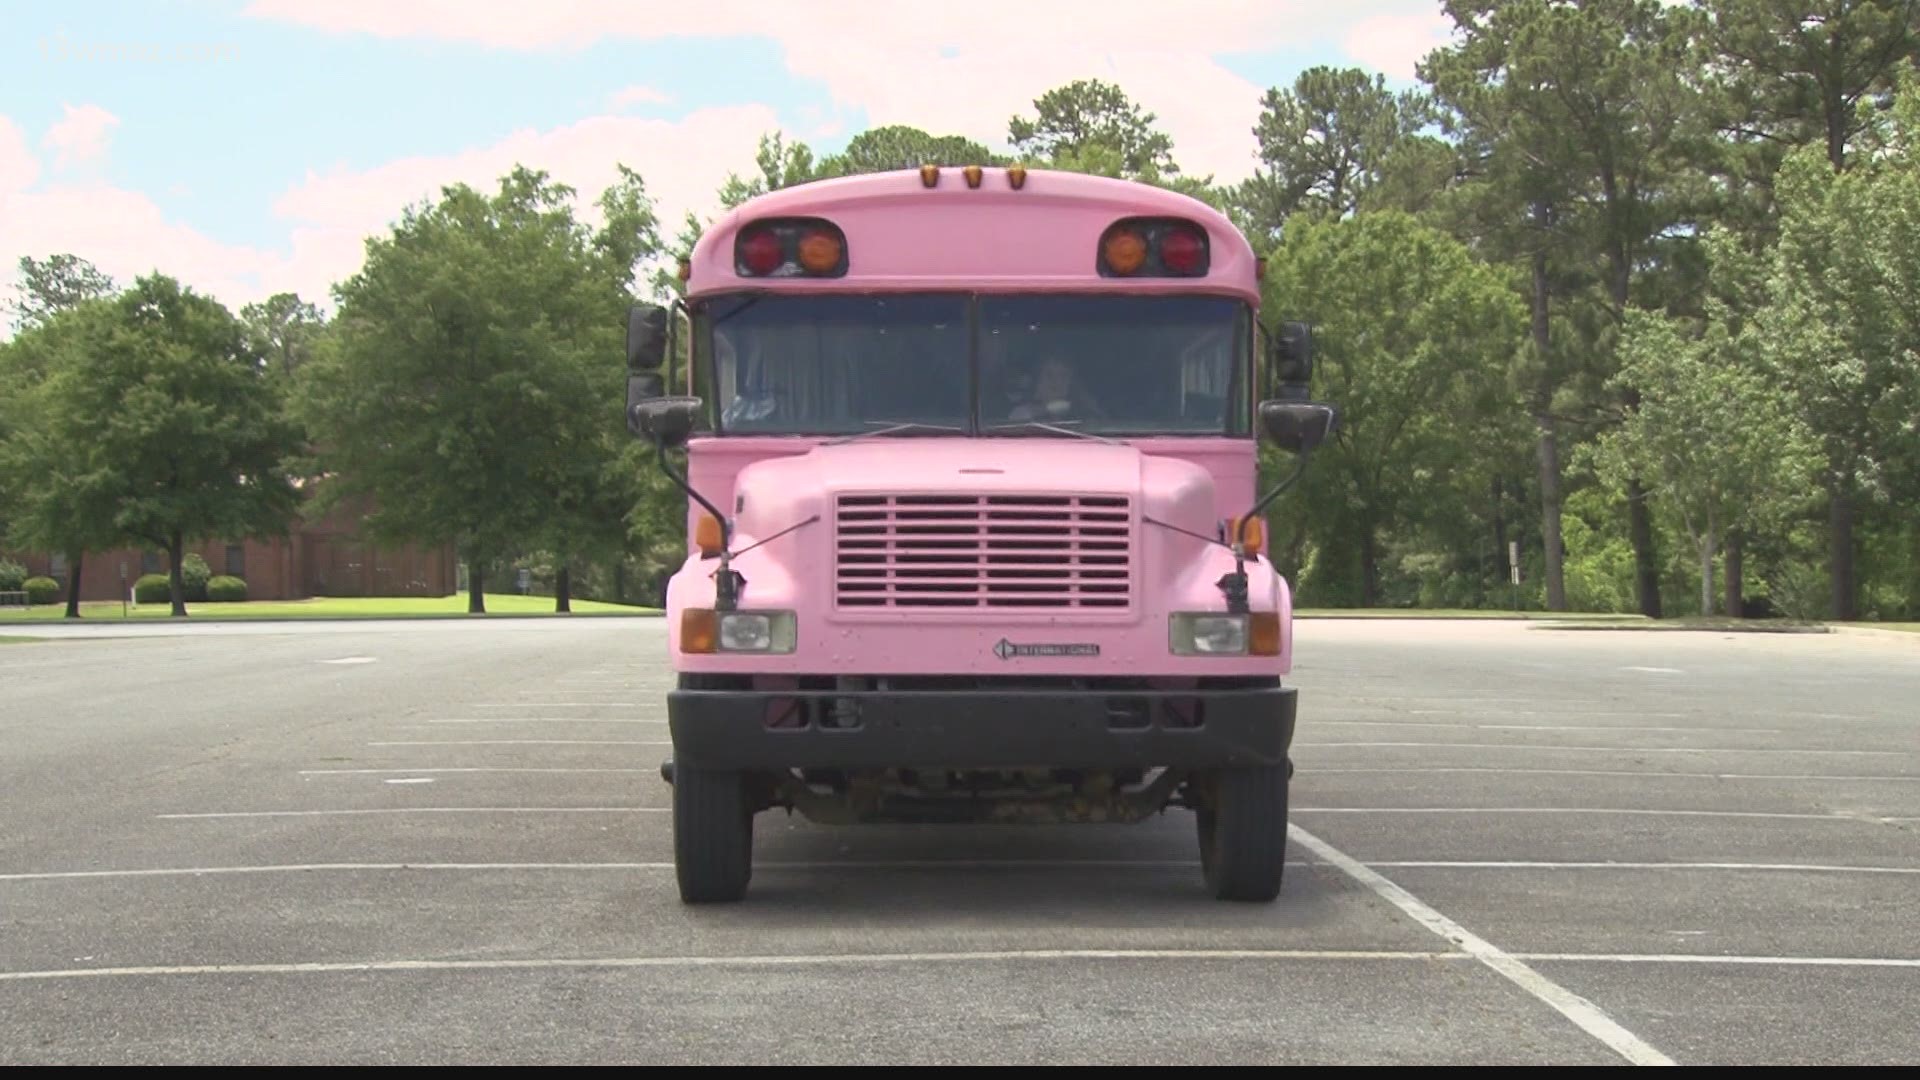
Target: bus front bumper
985	729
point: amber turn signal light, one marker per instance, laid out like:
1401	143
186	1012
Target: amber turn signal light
708	536
699	630
1263	633
1124	251
1251	530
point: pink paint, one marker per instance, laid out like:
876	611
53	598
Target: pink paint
905	564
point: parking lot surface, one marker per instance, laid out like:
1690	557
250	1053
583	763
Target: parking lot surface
449	843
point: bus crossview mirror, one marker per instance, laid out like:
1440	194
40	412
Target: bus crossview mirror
645	387
1293	360
1297	426
646	337
667	422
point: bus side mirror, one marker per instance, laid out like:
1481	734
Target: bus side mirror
646	337
1298	426
667	422
1293	360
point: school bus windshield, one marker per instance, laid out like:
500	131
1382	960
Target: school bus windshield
1118	365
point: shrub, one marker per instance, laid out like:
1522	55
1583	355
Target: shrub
42	590
225	589
152	589
13	576
194	575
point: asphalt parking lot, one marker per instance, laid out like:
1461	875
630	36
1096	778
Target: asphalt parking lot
447	843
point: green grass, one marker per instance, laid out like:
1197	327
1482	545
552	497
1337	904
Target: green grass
332	607
1457	613
5	640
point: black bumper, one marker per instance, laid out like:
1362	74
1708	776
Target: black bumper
991	729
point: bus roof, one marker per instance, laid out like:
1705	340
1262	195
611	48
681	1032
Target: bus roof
1043	235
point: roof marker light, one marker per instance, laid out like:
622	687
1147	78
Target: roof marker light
972	173
929	175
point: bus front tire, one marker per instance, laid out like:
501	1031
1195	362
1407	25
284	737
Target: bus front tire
712	835
1243	833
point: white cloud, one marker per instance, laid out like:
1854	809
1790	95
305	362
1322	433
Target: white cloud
18	165
81	135
330	215
1394	44
623	99
677	159
955	68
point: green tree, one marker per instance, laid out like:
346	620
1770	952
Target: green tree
1582	111
898	146
1088	112
1841	324
1713	434
288	329
50	497
459	397
55	284
1796	73
1327	142
184	434
1413	336
55	514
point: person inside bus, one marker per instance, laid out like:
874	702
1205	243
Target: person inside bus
1054	394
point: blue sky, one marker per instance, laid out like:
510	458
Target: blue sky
249	146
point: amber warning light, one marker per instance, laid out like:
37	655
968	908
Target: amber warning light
790	247
1152	247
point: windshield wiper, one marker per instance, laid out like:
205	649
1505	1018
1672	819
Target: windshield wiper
1039	425
891	427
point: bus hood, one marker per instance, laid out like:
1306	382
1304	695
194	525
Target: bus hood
773	494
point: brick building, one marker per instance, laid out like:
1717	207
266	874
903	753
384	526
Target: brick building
320	558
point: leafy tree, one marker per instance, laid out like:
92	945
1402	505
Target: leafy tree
897	146
50	499
163	406
1713	433
288	329
472	369
1581	112
1327	142
1841	325
55	284
1088	112
54	516
1412	335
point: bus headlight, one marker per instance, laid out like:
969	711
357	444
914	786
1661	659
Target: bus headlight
757	631
1208	634
703	630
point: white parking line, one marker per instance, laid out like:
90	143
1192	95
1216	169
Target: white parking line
463	769
1558	712
527	742
418	810
996	956
1708	958
883	864
1806	868
1582	1012
1587	810
765	960
559	705
1490	769
1605	749
1541	727
550	720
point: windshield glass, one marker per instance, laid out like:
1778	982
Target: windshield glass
830	364
998	365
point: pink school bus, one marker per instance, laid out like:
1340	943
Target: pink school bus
968	452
